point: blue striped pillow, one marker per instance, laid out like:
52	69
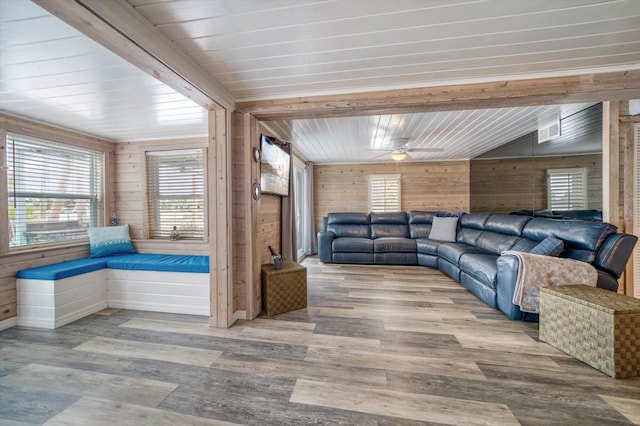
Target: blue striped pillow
550	246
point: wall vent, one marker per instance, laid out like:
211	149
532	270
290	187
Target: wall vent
548	131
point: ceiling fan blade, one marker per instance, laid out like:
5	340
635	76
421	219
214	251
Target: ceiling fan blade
425	149
384	154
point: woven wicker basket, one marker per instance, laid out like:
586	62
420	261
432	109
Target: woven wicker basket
596	326
284	289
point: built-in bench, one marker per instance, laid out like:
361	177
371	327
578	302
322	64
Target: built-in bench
54	295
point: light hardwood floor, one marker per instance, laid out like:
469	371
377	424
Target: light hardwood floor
386	345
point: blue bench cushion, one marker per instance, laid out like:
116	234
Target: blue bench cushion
137	262
160	262
58	271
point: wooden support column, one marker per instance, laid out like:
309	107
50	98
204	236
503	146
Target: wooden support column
611	163
629	201
254	297
219	166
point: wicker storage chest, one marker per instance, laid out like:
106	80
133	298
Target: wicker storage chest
284	289
596	326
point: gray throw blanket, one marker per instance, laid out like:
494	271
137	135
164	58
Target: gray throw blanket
537	271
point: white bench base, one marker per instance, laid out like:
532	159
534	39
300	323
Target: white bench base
54	303
173	292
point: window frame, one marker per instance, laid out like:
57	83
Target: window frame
392	178
568	171
150	149
41	134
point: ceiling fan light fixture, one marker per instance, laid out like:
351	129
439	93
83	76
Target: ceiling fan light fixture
399	156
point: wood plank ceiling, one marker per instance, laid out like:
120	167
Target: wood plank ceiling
270	49
52	73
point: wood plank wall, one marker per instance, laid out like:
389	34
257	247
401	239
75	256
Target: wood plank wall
507	185
12	262
130	195
240	211
438	185
269	226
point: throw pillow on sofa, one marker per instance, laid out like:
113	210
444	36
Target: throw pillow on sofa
550	246
444	229
109	241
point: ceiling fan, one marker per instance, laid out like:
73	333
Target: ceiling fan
400	149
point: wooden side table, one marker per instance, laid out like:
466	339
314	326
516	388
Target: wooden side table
284	289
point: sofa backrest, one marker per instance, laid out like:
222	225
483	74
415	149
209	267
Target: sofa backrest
420	223
501	232
582	239
349	224
389	224
470	226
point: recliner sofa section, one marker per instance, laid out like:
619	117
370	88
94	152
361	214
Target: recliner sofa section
475	258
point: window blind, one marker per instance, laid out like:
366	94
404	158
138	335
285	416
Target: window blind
384	193
175	193
55	191
567	189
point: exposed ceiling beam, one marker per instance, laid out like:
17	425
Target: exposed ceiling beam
116	25
512	93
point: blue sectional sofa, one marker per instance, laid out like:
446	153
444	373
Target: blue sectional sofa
474	257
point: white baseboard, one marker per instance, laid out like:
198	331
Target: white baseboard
8	323
139	305
239	315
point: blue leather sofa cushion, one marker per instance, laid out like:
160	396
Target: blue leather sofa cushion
420	223
452	252
426	246
352	245
474	220
421	217
495	243
468	236
349	225
389	224
389	218
391	245
482	266
506	224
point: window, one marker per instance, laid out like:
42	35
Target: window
55	191
175	193
384	193
567	189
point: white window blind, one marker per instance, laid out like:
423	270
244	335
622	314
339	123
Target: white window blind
567	189
384	193
175	193
55	191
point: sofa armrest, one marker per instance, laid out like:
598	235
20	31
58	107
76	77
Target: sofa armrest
507	277
325	240
614	254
